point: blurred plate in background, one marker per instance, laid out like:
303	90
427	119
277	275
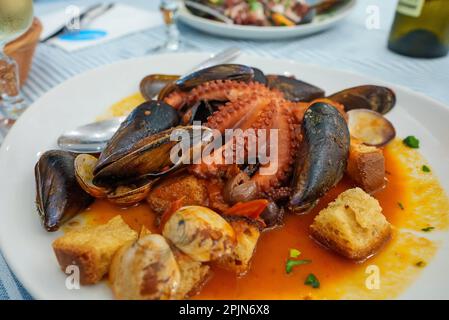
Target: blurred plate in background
320	23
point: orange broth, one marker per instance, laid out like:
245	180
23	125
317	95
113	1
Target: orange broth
267	277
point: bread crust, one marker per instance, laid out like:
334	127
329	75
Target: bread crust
366	166
352	226
194	274
247	232
357	255
91	249
191	189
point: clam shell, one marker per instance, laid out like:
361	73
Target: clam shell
370	127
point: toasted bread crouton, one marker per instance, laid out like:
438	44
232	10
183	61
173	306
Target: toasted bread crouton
366	166
247	234
193	274
92	248
353	225
191	188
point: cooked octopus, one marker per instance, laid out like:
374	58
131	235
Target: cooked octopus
206	207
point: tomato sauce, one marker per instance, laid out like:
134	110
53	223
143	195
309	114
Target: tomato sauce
267	278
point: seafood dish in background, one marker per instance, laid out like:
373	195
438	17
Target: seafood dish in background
264	20
282	13
207	207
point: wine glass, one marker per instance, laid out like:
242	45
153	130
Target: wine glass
173	42
16	17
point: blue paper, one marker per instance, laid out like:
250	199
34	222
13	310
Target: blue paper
83	35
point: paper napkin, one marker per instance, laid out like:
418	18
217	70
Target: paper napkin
117	22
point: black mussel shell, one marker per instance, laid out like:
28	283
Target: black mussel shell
200	112
236	72
151	85
149	118
322	156
374	98
293	89
59	197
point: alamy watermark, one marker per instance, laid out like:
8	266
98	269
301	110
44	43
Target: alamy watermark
72	282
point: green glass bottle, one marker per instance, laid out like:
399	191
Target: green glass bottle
421	28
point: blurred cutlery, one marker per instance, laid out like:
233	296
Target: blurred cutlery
208	10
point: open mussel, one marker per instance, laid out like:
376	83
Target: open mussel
154	155
84	173
128	195
58	195
147	119
293	89
151	85
375	98
235	72
122	195
322	157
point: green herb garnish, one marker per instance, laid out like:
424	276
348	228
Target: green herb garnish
411	142
427	229
293	263
312	281
294	253
254	5
425	168
401	206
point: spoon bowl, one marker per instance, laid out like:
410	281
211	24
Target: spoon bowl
89	138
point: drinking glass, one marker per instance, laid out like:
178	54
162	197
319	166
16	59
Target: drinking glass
173	42
16	17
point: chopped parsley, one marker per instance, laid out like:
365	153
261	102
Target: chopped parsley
294	253
401	205
420	264
411	142
293	263
312	281
425	168
427	229
254	5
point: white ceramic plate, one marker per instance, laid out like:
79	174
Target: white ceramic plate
320	23
27	247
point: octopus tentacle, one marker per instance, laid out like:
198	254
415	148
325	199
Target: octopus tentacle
286	146
220	90
249	106
242	113
254	112
281	193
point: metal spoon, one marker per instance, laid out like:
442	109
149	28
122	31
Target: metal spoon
89	138
93	137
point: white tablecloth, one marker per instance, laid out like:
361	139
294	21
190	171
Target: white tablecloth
350	46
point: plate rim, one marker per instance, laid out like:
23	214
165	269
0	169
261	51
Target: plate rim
7	252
